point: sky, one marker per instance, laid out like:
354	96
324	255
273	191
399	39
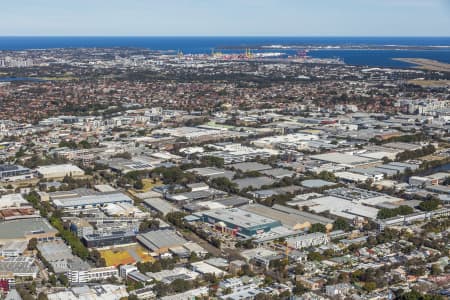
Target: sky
225	17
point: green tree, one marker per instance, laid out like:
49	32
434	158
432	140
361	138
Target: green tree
212	161
77	247
193	257
138	185
263	296
341	224
181	285
149	225
124	155
429	205
63	279
318	227
436	269
68	144
315	256
176	218
405	210
96	258
134	285
386	213
299	289
84	145
224	184
415	295
370	286
42	296
32	244
327	176
52	280
173	175
216	242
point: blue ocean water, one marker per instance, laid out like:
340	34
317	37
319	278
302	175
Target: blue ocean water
10	79
381	58
195	45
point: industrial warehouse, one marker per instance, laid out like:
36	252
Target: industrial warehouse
238	221
87	199
225	167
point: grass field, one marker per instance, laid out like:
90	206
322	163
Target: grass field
143	254
214	124
117	257
148	185
125	255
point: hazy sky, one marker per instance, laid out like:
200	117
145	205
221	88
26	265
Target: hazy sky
226	17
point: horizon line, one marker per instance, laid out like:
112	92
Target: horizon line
232	36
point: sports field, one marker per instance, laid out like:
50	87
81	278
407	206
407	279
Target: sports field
125	255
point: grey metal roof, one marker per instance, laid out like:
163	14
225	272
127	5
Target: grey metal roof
392	167
56	250
157	239
341	158
208	171
388	172
239	217
291	189
255	182
98	199
278	172
316	183
17	229
139	276
366	171
196	195
406	165
233	201
250	166
288	220
108	235
19	265
353	193
160	205
310	217
212	172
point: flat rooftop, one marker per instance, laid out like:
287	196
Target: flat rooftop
340	207
157	239
19	265
232	201
64	168
316	183
306	216
19	229
278	172
288	220
239	217
95	199
160	205
250	166
255	182
55	250
341	158
403	146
